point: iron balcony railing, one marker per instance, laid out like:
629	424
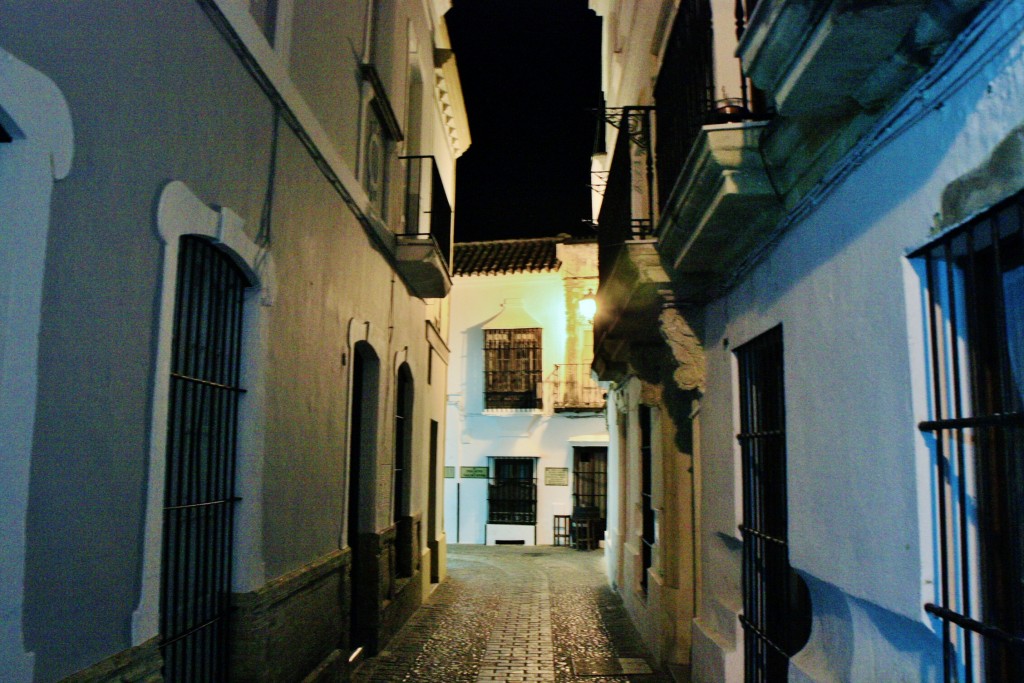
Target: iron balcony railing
574	389
685	92
427	213
627	212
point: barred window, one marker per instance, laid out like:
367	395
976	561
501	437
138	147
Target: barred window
202	437
776	615
512	494
512	368
974	299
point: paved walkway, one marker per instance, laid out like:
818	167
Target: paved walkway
517	614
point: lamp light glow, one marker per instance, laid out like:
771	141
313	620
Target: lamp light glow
588	305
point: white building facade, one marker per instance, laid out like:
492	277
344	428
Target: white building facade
834	267
225	236
526	434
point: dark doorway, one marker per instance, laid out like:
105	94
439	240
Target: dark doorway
365	369
433	523
590	484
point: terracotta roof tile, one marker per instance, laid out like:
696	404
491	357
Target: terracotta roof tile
500	257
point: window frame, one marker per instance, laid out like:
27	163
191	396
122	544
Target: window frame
776	617
974	421
512	368
516	490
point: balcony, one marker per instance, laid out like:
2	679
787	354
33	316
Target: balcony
573	389
722	206
717	201
832	69
424	247
631	276
832	58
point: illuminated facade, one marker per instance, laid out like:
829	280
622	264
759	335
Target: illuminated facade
526	433
810	285
225	239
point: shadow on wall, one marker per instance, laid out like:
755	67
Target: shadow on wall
854	206
889	642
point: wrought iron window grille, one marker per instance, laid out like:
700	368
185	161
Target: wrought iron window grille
776	615
512	368
202	437
974	295
648	528
403	442
512	492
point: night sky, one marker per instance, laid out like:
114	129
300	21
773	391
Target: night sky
530	71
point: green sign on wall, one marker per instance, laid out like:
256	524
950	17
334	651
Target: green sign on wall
449	471
474	473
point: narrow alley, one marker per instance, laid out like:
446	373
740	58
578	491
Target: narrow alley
326	327
517	613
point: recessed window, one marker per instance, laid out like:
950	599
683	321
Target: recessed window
375	164
202	434
776	604
382	133
974	292
512	368
403	442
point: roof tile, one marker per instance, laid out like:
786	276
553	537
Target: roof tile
501	257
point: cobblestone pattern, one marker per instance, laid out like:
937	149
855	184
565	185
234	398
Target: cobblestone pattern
513	614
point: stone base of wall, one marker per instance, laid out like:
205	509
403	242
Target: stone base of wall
294	628
438	558
140	664
387	579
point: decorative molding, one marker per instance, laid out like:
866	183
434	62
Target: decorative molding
36	116
687	350
448	92
180	212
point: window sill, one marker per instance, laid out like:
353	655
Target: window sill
512	411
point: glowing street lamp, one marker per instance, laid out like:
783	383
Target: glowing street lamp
588	305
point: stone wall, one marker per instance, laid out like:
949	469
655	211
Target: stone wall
295	627
387	579
140	664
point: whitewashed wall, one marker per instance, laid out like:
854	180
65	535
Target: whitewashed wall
860	522
474	435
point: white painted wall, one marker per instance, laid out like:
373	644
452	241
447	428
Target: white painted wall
860	521
474	435
35	114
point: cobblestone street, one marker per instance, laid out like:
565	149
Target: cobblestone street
532	613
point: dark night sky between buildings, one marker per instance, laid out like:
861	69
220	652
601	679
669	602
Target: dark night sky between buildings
530	73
